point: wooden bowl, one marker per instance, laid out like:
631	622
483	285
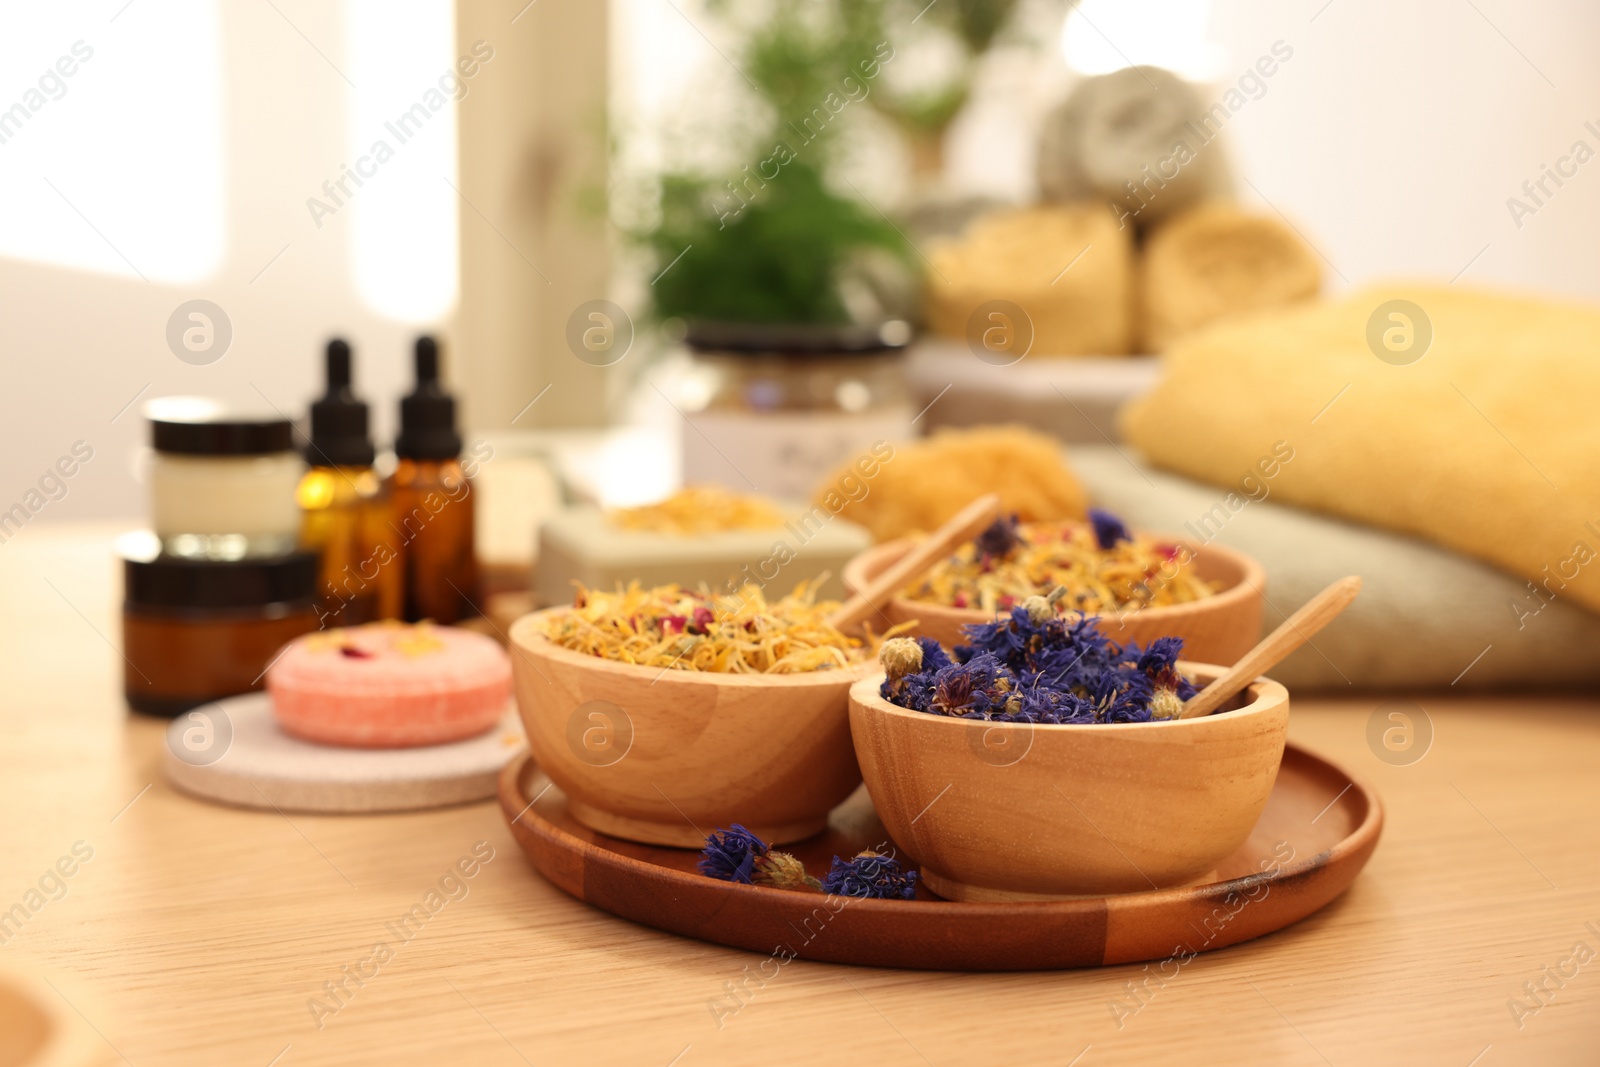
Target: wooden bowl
38	1029
1010	811
1218	629
667	756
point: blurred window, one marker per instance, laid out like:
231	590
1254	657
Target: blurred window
111	137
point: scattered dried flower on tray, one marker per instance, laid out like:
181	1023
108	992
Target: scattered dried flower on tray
700	509
737	855
1036	666
870	874
668	626
1102	566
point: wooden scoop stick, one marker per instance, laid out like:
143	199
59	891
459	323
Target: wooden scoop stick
1295	631
966	524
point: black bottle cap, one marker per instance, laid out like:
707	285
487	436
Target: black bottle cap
338	420
428	414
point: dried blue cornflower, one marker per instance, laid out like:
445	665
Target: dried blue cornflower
737	855
1033	666
731	854
1050	707
1159	662
1074	653
914	689
999	538
1108	529
1158	656
870	874
972	689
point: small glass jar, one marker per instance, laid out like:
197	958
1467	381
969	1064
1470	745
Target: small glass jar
775	409
198	630
222	486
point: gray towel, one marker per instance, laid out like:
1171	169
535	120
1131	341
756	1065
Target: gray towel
1426	617
1137	137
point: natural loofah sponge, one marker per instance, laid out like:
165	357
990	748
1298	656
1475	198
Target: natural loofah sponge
1218	260
929	481
1024	257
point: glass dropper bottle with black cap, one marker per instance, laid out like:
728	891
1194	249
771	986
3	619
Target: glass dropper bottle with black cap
432	500
344	510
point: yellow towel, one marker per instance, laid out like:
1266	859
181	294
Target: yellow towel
1488	444
1218	260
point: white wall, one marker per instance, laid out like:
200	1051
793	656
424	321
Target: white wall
77	345
1398	130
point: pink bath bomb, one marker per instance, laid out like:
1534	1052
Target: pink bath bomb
387	685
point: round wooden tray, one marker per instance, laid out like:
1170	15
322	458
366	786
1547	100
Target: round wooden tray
1317	831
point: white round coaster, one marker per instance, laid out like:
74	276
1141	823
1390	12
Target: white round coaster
233	751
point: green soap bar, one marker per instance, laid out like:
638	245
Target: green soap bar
580	544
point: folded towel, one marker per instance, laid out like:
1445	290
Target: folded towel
1464	418
1217	260
1069	268
1426	617
1139	137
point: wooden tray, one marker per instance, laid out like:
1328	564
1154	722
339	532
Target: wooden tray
1329	820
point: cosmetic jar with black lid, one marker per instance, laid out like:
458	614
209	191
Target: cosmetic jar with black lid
222	481
195	630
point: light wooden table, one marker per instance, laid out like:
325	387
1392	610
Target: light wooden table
198	934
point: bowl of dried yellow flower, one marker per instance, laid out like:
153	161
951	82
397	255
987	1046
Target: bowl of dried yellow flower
1142	586
663	713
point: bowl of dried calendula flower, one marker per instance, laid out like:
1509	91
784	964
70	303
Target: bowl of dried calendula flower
664	712
1141	585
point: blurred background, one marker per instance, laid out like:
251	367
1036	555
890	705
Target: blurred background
177	164
669	242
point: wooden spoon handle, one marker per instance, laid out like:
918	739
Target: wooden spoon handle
966	524
1295	631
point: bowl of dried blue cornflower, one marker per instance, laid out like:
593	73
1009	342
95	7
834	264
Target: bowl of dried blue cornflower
1142	585
1043	760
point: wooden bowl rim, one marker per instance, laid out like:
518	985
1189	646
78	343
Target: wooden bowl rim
66	1042
514	801
1266	695
1250	583
527	640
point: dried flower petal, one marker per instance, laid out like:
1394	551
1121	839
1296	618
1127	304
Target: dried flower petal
1101	566
900	656
731	854
1038	667
999	538
870	875
1108	529
783	871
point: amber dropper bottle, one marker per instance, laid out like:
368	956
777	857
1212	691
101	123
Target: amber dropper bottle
433	501
344	510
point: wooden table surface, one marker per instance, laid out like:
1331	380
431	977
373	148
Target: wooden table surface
198	934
